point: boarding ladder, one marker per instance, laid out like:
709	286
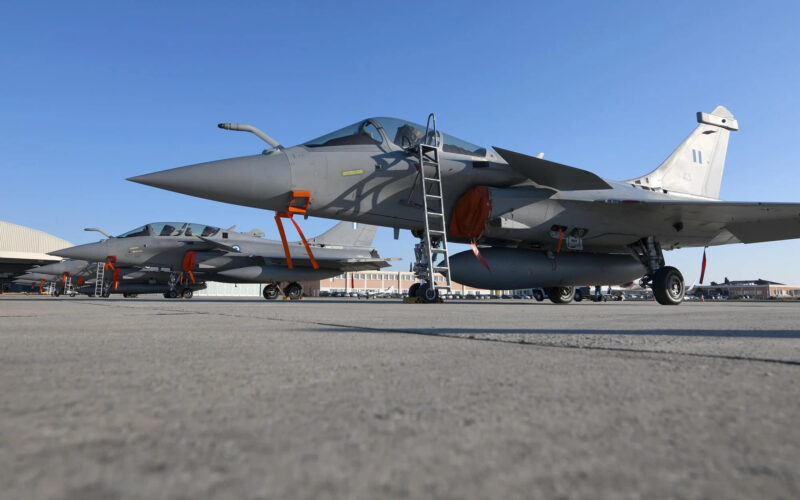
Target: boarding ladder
434	241
100	277
69	288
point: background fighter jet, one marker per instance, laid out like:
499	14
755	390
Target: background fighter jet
545	224
193	252
79	276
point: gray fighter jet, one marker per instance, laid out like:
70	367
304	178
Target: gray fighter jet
193	252
73	276
532	222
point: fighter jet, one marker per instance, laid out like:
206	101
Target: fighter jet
532	222
79	276
193	252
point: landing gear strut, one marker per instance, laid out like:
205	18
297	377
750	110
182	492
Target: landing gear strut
666	281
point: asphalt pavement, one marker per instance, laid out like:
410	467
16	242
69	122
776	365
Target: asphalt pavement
340	398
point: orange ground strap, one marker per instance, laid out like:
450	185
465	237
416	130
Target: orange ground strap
284	215
295	207
560	239
116	278
189	259
111	260
478	254
64	280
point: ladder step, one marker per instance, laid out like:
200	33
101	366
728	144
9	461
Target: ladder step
435	179
441	269
439	250
433	196
436	231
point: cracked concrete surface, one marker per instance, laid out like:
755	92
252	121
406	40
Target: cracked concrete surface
236	398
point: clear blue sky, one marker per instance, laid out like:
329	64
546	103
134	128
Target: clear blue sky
94	92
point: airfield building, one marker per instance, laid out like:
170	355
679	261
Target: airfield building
22	248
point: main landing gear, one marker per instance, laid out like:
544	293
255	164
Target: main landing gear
561	294
293	291
666	281
424	291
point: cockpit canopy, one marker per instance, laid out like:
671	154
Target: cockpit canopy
405	134
171	229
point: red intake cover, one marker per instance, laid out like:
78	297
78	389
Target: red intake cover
471	213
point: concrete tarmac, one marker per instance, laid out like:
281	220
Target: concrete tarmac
335	398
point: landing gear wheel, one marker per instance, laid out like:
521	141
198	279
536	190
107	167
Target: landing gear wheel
271	292
293	290
560	294
172	294
187	293
538	295
428	293
668	286
413	289
578	296
125	295
72	294
56	293
106	293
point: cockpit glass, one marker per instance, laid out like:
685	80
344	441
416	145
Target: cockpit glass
362	133
200	230
166	228
139	231
408	134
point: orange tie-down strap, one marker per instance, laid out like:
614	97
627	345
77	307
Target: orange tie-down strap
111	260
189	260
296	205
278	217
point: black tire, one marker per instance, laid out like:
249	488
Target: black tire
166	295
293	290
56	293
187	293
271	292
538	295
578	296
72	294
561	294
668	286
172	294
125	295
106	293
413	289
428	293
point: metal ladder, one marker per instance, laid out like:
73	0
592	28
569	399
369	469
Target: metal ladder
100	277
434	242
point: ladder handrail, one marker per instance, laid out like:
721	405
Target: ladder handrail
435	133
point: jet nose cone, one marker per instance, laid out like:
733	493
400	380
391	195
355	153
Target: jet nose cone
88	252
261	181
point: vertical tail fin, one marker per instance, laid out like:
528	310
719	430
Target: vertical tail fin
696	166
347	234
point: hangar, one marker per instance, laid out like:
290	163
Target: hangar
22	248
